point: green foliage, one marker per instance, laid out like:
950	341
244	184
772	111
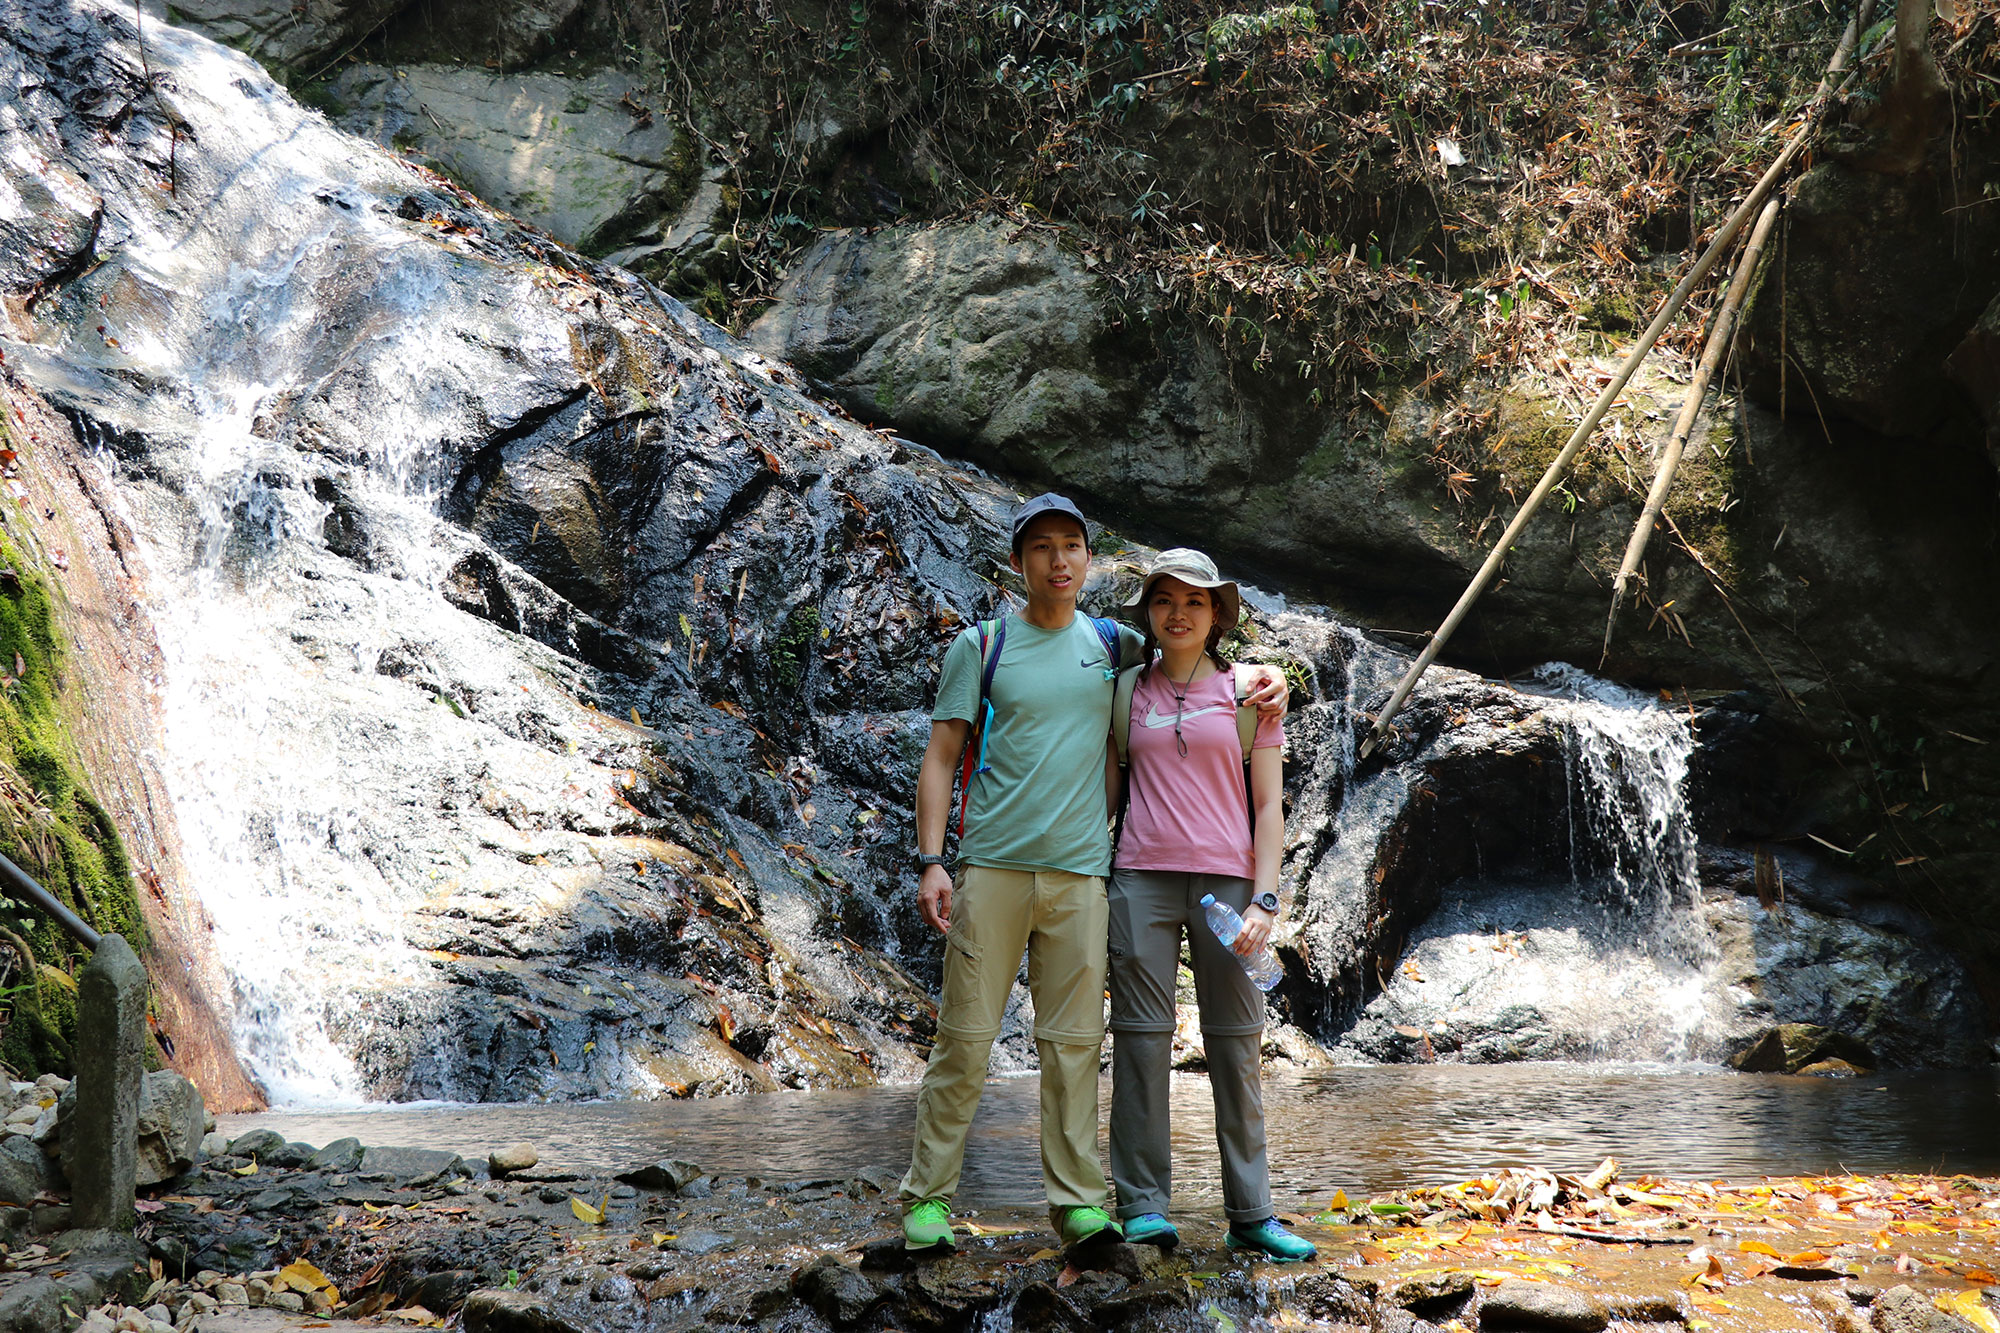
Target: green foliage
797	641
1232	32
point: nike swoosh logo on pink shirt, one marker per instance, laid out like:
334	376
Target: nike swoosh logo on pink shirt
1153	718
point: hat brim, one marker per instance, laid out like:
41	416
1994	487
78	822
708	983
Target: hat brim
1228	601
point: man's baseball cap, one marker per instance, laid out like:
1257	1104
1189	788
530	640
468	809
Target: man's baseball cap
1046	503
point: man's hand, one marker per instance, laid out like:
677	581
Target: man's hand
1269	693
1256	932
934	898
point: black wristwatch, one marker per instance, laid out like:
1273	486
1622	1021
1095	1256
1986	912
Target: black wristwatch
1266	900
925	861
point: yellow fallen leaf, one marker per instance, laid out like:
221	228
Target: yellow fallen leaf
662	1237
302	1277
1337	1202
1040	1255
589	1046
585	1213
1759	1247
1806	1258
1971	1307
978	1229
249	1170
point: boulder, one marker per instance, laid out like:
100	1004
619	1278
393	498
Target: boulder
1542	1305
582	157
20	1181
171	1116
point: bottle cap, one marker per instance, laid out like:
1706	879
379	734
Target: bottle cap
1208	900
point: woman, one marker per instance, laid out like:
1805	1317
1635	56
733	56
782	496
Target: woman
1186	834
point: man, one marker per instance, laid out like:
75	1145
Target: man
1034	854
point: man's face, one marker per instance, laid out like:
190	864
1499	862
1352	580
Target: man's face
1053	557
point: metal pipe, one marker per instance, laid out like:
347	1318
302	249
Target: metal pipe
21	885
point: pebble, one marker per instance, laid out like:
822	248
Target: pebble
231	1293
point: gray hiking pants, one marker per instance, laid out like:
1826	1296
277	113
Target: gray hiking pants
1150	911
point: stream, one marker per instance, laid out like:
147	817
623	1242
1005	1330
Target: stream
1363	1129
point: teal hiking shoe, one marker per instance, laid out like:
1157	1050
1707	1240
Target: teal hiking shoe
1086	1226
927	1226
1270	1239
1151	1229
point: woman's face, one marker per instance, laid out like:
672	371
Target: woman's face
1180	613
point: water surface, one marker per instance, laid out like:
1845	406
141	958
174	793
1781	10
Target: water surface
1364	1130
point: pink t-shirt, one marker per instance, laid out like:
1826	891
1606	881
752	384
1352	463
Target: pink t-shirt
1189	813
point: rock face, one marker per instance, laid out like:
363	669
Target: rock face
171	1119
582	158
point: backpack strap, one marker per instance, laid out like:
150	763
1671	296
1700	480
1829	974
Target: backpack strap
1246	716
1121	712
1107	632
992	642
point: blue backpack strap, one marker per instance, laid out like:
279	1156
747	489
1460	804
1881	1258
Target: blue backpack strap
1107	632
992	642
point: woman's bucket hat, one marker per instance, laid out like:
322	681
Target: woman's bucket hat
1191	567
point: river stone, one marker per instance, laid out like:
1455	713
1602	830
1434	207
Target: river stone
290	1154
258	1143
1518	1304
339	1156
1789	1047
411	1166
518	1157
700	1242
563	152
614	1289
171	1116
497	1310
672	1175
1431	1289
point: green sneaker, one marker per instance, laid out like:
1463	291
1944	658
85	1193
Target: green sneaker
1086	1226
1151	1229
1270	1239
927	1226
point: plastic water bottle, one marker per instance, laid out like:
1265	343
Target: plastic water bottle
1263	965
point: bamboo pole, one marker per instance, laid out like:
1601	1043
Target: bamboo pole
1675	300
1697	391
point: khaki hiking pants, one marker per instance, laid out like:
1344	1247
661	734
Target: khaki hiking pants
1060	919
1150	911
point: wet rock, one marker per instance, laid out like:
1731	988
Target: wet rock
1145	1304
671	1175
1395	1319
700	1242
1902	1309
1326	1296
614	1289
214	1145
497	1311
342	1155
1649	1308
440	1291
1789	1047
518	1157
1432	1294
841	1295
1041	1308
412	1166
886	1254
1830	1068
1518	1304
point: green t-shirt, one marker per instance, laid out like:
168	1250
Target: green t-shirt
1041	804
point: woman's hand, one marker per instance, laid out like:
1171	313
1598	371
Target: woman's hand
1269	693
1256	932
